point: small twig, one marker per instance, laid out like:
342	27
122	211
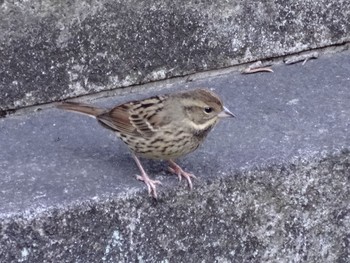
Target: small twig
254	70
299	58
257	67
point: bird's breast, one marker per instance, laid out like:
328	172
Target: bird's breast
165	144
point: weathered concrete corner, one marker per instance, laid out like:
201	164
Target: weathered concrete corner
53	50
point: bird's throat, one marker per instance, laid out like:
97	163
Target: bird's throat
202	130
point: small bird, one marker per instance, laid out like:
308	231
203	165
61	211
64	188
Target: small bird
161	127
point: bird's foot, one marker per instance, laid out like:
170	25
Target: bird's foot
151	184
176	169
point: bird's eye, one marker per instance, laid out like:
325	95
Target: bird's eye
208	109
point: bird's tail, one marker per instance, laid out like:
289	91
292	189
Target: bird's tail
81	108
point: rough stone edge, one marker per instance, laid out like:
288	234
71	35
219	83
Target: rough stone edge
162	83
35	225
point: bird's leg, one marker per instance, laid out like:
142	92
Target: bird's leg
174	168
151	184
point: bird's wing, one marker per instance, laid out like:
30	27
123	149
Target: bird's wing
136	118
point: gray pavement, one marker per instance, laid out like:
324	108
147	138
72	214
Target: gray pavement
283	164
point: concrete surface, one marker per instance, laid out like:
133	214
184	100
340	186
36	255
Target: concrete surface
273	184
51	50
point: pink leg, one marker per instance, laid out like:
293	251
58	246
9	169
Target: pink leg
174	168
151	184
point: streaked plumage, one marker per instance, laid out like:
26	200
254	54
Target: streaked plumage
161	127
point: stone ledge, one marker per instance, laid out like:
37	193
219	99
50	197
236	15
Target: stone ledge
53	50
273	184
282	213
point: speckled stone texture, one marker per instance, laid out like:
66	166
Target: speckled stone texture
294	213
273	184
52	50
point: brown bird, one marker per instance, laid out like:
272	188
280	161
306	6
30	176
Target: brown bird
162	127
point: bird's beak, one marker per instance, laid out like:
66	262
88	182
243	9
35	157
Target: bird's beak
226	113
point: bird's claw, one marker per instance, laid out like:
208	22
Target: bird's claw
151	185
175	169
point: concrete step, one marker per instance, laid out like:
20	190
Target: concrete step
273	183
